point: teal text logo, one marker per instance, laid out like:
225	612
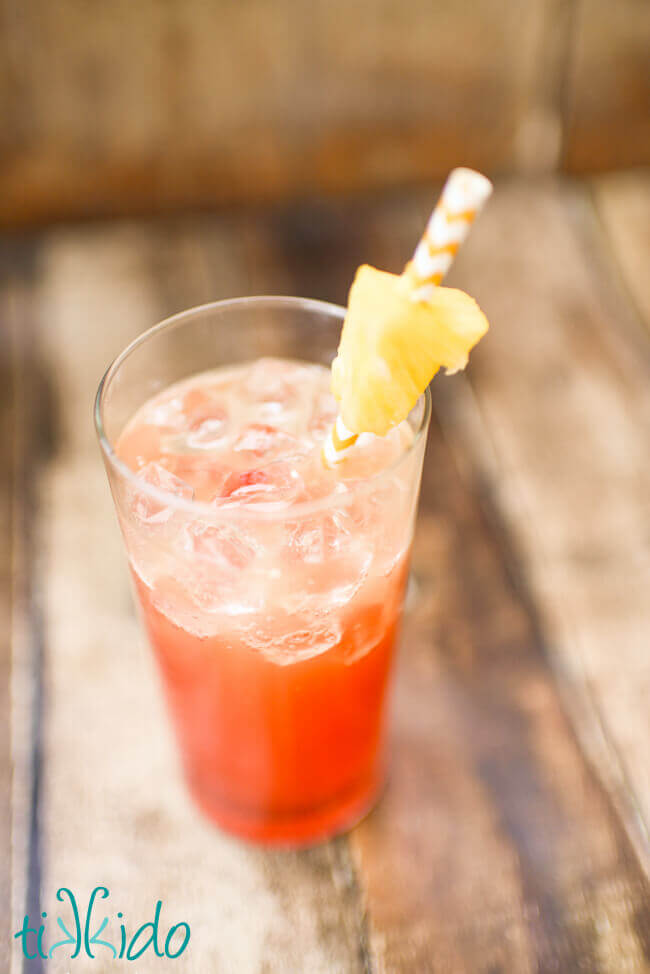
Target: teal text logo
85	933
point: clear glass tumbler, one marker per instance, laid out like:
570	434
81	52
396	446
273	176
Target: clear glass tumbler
276	675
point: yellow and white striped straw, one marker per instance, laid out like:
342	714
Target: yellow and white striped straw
463	196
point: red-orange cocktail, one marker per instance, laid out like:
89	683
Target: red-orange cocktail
278	752
271	586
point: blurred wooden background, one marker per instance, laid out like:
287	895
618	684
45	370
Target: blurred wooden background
138	107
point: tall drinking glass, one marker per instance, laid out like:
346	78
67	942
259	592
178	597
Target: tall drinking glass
275	665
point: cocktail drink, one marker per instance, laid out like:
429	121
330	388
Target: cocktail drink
273	613
268	535
271	585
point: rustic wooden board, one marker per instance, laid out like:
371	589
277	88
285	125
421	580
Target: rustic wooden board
496	847
623	205
563	415
25	414
608	86
149	106
145	106
7	487
115	809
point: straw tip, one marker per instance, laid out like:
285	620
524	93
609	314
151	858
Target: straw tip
472	182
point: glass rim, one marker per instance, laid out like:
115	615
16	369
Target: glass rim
250	510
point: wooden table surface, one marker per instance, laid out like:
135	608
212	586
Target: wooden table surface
513	836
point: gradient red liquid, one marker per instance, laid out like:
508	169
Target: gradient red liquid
278	753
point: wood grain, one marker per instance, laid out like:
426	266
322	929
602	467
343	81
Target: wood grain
608	86
495	849
623	205
25	426
149	106
563	407
7	487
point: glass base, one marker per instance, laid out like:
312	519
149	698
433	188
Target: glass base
294	829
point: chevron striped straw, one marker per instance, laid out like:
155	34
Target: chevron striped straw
463	196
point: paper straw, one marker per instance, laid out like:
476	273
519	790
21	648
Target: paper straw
463	196
338	443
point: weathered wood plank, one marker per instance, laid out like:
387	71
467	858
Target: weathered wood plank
495	847
7	487
115	809
623	205
608	86
563	408
23	438
147	106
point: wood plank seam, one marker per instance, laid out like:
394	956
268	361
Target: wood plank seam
31	440
564	85
463	422
608	254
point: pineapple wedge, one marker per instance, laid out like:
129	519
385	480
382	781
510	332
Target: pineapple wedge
392	346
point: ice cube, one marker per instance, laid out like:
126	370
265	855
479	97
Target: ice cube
200	405
277	482
201	470
220	544
150	510
365	628
210	434
166	412
317	537
219	559
327	560
262	440
383	515
280	393
287	639
273	380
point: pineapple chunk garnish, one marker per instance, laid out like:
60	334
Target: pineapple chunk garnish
391	347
